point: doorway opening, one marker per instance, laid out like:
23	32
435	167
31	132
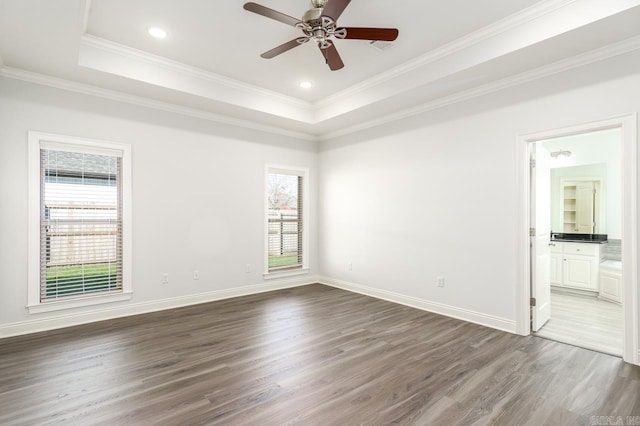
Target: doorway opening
577	201
579	221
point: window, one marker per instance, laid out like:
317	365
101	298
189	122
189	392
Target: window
286	221
79	222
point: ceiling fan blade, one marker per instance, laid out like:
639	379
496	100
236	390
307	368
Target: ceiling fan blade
332	57
284	47
384	34
270	13
334	8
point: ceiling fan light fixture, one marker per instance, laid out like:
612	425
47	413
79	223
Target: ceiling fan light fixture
157	32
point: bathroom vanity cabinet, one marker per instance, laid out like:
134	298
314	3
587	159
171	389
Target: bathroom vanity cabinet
575	265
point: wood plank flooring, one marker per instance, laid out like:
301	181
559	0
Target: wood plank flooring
311	355
585	321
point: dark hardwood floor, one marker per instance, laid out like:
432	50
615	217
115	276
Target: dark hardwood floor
312	355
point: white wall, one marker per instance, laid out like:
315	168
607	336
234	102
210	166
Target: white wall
198	193
431	195
593	155
437	195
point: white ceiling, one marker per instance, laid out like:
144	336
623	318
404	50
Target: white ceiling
221	37
209	65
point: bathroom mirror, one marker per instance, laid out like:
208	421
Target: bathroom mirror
577	199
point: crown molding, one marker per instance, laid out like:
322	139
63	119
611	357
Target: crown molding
91	41
543	20
311	109
85	89
616	49
515	20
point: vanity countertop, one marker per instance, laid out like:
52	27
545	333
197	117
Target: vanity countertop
579	238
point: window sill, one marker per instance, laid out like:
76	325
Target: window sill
77	303
283	274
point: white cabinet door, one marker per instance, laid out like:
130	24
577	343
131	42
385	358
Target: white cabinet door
580	272
556	268
584	208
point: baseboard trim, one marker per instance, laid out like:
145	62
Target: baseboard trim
106	313
425	305
573	291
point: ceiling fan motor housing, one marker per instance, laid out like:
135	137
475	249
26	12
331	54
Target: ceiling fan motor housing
318	27
313	16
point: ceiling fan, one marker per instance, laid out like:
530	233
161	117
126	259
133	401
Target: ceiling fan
319	24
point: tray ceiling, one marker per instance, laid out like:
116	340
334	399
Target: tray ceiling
209	62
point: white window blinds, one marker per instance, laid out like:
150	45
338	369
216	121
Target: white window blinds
80	224
285	221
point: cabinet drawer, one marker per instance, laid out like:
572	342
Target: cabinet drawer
577	248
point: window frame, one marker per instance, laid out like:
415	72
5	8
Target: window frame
37	141
302	172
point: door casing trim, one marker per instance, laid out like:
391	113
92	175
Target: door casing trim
629	125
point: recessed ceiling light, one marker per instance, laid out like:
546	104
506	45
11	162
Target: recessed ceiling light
306	84
157	32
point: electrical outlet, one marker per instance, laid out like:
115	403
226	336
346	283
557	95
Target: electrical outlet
440	281
165	278
247	269
350	266
196	275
